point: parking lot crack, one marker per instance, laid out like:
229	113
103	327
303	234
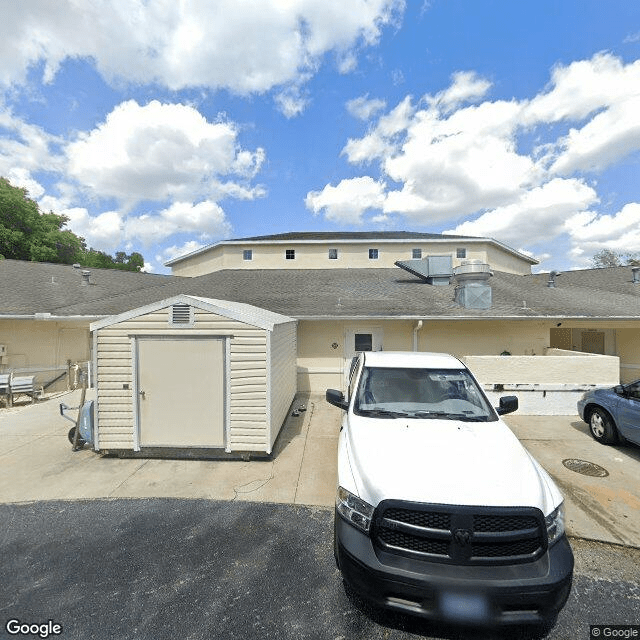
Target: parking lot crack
253	485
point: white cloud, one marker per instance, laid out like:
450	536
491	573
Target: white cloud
606	138
454	166
26	148
591	233
175	251
539	214
205	218
243	46
364	107
582	88
104	232
20	177
446	159
466	86
160	151
348	201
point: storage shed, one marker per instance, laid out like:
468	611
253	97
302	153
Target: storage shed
193	377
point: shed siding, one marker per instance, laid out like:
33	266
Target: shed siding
283	382
247	376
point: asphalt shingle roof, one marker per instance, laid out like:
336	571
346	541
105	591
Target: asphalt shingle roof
36	287
595	293
352	235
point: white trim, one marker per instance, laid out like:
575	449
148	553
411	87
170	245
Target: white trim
135	391
269	390
245	313
96	430
227	393
556	318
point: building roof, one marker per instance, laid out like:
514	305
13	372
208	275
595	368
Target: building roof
388	293
39	287
350	236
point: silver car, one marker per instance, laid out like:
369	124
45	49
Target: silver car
613	414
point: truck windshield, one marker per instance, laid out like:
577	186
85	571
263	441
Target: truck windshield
444	394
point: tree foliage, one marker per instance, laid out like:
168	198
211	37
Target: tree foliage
609	258
28	234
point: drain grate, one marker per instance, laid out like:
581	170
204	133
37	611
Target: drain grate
585	468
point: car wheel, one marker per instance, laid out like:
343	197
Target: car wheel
602	427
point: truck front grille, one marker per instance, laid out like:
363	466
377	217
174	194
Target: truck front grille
460	534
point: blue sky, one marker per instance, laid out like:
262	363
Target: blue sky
164	126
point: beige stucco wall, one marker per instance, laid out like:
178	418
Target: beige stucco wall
314	255
320	366
581	369
198	265
628	345
44	346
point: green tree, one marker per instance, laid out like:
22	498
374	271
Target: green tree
28	234
609	258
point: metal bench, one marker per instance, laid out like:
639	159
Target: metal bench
12	386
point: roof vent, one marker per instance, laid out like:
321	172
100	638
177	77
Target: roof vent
180	314
86	275
636	274
472	288
76	265
552	279
436	270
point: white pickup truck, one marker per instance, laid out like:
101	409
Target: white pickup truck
440	511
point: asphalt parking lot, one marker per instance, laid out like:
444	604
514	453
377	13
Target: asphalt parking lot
192	569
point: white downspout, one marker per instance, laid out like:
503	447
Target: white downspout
415	334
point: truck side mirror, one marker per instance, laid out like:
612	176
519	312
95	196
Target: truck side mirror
336	398
508	404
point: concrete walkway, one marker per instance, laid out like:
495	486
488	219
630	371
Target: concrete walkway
37	463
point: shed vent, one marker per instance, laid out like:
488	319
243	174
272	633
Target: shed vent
180	314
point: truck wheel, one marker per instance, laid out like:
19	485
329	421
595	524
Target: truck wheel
602	427
72	434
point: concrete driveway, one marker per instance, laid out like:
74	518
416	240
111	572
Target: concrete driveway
37	464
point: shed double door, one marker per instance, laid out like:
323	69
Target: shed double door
181	392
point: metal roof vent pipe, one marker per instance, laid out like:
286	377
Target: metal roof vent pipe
86	275
551	283
472	284
636	274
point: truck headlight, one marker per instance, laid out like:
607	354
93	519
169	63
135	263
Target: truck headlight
354	510
555	524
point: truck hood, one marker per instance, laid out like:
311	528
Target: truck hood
446	462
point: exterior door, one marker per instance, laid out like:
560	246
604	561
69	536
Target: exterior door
356	341
593	342
181	391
